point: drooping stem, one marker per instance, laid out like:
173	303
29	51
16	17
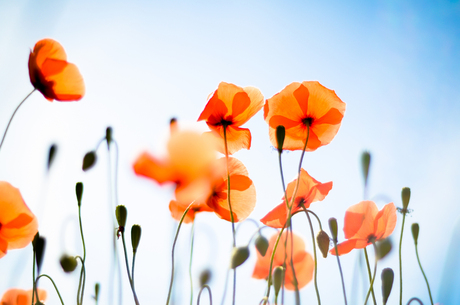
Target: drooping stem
172	252
12	116
370	276
371	287
341	273
54	284
192	240
210	294
424	275
314	252
415	299
400	260
127	269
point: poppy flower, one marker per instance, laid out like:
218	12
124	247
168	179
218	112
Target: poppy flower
310	190
365	224
21	297
52	75
18	225
302	261
300	105
178	208
230	107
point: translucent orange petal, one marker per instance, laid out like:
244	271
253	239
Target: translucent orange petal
237	138
21	297
359	220
304	268
283	104
177	210
385	221
3	247
62	81
215	110
322	100
247	111
160	171
20	231
276	218
48	48
310	190
344	247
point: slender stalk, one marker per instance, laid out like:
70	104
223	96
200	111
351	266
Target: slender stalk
12	116
172	252
370	276
424	275
54	284
81	284
269	281
192	239
400	259
317	218
210	294
132	267
371	287
127	269
225	288
33	277
415	299
341	273
294	277
314	252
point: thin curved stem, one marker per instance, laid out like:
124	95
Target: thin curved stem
81	283
225	288
400	260
415	299
12	116
269	281
371	287
424	275
314	252
210	294
317	218
370	275
172	252
54	284
132	267
127	269
192	240
341	273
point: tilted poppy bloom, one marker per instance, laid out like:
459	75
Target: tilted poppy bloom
52	75
178	208
310	190
231	106
303	261
302	104
21	297
364	224
18	225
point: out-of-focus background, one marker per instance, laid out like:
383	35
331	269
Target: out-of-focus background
396	64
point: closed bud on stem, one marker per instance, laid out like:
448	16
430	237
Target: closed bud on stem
97	288
68	263
79	192
280	135
51	155
239	256
122	214
365	164
405	196
415	230
261	244
108	136
89	160
135	236
333	228
323	242
387	283
278	275
383	248
205	277
39	244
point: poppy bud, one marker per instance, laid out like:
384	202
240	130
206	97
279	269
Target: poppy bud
333	229
51	155
278	275
365	163
383	248
89	160
135	236
79	192
205	277
108	136
405	196
387	283
97	288
261	245
415	230
323	242
280	135
239	256
121	213
39	243
68	263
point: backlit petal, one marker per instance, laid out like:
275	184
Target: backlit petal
359	220
158	170
385	221
64	81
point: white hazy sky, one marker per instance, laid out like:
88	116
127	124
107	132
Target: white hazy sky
395	63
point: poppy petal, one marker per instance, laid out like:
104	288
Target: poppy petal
252	101
322	100
385	221
3	247
276	218
304	268
64	81
21	297
150	167
237	138
359	220
344	247
214	111
310	190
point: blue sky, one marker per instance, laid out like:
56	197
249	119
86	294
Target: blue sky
395	63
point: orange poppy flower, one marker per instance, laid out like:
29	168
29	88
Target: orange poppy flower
190	165
18	225
178	208
21	297
302	104
232	106
52	75
364	224
310	190
303	261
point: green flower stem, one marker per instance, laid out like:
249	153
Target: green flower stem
80	298
317	218
269	281
424	275
400	259
12	116
371	287
341	273
132	267
34	292
127	269
54	284
81	283
192	240
172	252
210	294
415	299
370	275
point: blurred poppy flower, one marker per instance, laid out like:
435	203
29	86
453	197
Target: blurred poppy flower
18	225
302	104
231	106
364	224
52	75
21	297
178	208
303	261
310	190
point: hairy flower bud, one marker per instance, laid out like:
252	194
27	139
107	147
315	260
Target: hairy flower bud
261	245
239	256
280	135
89	160
323	242
79	192
108	136
333	228
405	196
383	248
278	275
68	263
365	164
122	214
415	230
135	236
387	283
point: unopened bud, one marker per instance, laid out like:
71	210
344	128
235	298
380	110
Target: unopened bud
383	248
405	196
261	244
387	283
68	263
121	213
135	236
108	136
365	164
333	228
278	275
239	256
323	242
97	288
51	155
89	160
415	230
280	135
205	277
38	245
79	192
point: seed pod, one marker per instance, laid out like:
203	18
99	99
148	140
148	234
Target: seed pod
79	192
323	242
280	135
387	283
405	196
122	214
239	256
365	164
68	263
205	277
278	275
415	230
135	236
261	244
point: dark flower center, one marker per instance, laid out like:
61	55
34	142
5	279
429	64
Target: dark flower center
371	238
224	123
307	121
